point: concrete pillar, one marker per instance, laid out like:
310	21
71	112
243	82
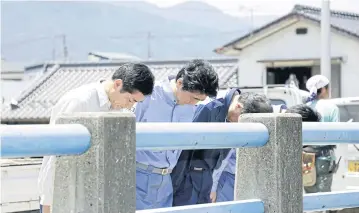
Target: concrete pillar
102	179
273	173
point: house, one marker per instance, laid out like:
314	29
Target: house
291	45
13	80
16	77
109	56
11	71
33	106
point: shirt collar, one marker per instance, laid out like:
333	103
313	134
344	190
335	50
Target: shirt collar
167	88
102	95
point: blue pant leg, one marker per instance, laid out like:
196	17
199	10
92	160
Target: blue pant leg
144	199
40	209
153	190
206	186
165	192
225	189
186	193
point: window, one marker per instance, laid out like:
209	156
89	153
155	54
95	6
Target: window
301	31
348	112
277	102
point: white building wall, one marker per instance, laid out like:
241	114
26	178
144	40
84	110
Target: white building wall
286	44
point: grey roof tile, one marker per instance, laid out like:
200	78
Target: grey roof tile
35	103
345	21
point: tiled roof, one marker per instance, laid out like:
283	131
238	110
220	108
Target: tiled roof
35	103
114	56
345	22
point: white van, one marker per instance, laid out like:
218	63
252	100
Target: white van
280	94
347	176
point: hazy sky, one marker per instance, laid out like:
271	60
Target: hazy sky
265	7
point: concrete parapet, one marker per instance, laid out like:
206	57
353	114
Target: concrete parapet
102	179
272	173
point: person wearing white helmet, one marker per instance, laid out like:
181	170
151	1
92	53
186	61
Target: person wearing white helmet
324	157
318	86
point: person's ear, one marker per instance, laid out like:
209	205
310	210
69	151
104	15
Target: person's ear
117	85
239	106
179	83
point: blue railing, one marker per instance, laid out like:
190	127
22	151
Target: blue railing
74	139
42	140
311	202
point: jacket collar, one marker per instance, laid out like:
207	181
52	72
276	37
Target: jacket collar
229	96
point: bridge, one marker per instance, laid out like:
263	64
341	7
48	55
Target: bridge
96	170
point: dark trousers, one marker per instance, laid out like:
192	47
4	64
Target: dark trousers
195	189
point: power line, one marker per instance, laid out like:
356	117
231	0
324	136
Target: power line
128	36
135	36
149	37
31	40
64	45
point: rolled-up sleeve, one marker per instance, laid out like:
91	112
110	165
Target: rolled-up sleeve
47	171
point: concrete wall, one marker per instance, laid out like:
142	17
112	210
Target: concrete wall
272	173
102	179
335	86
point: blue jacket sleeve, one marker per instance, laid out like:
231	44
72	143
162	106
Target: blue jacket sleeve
218	171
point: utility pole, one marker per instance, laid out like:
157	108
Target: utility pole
251	15
53	53
54	48
251	10
149	37
64	45
325	60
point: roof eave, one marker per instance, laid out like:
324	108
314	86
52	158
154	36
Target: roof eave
332	26
233	44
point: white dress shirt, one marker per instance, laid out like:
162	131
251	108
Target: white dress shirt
87	98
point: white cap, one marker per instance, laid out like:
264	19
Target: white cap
316	82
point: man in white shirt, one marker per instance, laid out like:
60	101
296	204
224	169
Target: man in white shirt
130	84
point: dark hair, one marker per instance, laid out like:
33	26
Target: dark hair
255	103
308	114
135	77
199	76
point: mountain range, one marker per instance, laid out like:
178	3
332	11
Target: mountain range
37	31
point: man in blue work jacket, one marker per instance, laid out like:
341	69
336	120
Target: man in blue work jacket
223	176
192	177
172	100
